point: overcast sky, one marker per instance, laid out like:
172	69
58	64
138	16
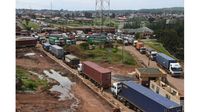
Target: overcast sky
90	4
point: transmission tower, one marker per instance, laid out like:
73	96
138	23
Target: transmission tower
102	8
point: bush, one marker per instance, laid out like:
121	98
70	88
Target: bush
84	46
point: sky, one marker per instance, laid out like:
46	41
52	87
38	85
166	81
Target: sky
90	4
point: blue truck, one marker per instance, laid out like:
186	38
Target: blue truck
57	51
168	63
46	46
142	99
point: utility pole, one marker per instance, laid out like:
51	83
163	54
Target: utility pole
102	8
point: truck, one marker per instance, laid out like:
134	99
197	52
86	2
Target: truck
53	40
71	60
151	53
139	45
142	99
169	64
46	46
57	51
99	75
25	42
142	50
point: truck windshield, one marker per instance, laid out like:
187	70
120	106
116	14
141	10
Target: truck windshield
176	69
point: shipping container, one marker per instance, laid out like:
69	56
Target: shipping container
57	51
26	42
145	99
169	64
100	75
72	60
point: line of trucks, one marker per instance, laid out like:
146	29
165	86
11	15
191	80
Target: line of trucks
133	95
168	63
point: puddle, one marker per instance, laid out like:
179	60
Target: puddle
64	88
29	54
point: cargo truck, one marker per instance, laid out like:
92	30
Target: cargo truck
142	99
99	75
46	46
151	53
169	64
57	51
139	45
25	42
71	60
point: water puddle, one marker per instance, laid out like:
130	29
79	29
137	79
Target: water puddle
64	88
29	54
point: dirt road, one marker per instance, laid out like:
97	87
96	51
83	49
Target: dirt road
32	59
176	82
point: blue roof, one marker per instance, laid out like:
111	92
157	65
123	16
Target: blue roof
152	95
165	56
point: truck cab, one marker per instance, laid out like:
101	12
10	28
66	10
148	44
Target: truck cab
153	55
79	68
175	69
115	88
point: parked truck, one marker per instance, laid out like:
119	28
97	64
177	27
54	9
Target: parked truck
46	46
25	42
57	51
168	63
72	60
99	75
139	45
151	53
142	99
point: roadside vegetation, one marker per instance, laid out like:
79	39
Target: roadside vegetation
102	54
25	81
158	47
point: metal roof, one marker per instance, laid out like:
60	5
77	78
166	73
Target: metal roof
57	47
70	56
96	67
149	70
165	56
152	95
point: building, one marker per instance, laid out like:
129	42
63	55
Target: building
145	75
144	31
167	91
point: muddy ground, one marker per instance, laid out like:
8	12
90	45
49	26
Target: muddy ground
46	101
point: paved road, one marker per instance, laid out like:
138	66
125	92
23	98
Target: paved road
176	82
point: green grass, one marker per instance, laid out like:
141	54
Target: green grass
33	25
28	83
112	56
158	46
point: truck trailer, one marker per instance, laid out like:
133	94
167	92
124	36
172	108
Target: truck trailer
168	63
72	60
57	51
25	42
142	99
99	75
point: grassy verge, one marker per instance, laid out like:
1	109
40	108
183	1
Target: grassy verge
158	46
28	82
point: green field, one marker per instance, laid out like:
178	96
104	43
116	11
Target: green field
28	82
109	55
158	46
30	25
